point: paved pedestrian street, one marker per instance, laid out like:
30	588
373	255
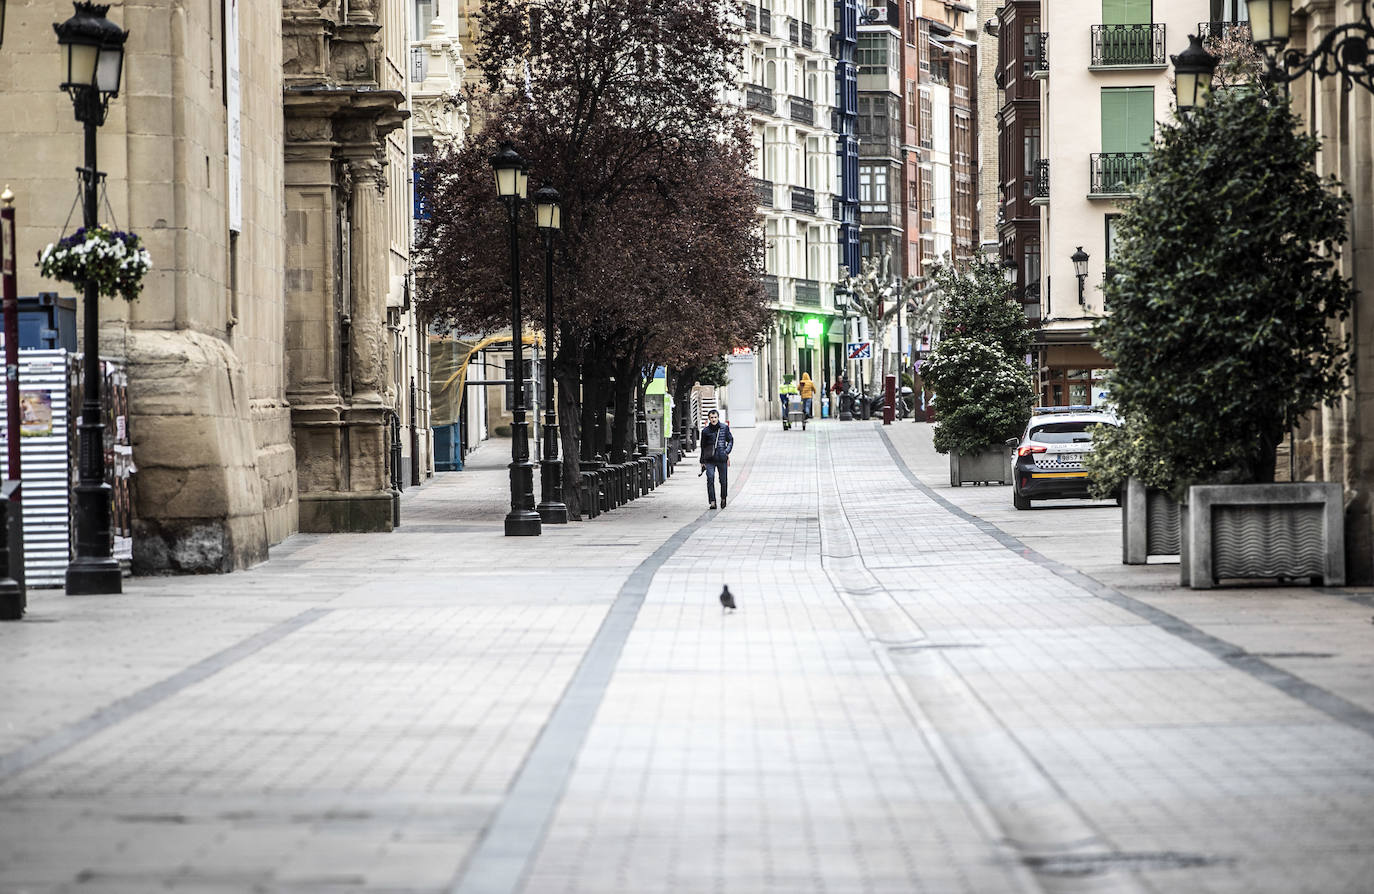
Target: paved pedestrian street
922	690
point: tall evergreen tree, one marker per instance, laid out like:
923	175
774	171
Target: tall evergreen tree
1224	288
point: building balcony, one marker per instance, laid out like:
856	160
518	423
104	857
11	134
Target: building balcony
794	32
765	21
885	217
1223	30
803	199
758	98
1128	46
770	287
1041	195
763	192
808	35
751	18
808	292
803	110
1115	173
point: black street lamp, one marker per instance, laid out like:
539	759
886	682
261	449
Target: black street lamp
92	62
1080	271
1010	272
1344	50
512	184
551	508
1193	70
842	305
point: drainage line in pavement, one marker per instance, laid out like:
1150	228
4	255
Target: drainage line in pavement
36	752
1325	701
505	853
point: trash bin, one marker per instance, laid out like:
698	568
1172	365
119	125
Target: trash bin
866	406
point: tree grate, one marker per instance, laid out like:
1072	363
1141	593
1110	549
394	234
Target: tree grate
1075	865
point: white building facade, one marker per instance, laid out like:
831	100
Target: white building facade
789	92
1104	86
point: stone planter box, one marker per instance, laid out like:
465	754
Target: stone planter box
1149	524
1291	531
989	467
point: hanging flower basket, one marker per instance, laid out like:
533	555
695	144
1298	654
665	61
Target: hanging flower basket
113	260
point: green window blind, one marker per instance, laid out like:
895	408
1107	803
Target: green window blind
1128	118
1126	12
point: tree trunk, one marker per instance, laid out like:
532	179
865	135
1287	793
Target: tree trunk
624	416
569	409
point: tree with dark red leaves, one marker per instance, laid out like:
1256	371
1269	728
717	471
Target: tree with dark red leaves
621	106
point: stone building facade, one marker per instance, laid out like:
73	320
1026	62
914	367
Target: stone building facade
1337	443
260	151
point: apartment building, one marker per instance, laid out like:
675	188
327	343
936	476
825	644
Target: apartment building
918	150
1082	98
790	96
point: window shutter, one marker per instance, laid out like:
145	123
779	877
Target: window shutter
1128	118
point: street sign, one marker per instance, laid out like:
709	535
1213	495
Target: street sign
860	350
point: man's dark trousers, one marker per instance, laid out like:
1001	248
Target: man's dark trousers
711	469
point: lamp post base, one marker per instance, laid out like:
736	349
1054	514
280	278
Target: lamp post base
92	576
522	523
551	507
552	513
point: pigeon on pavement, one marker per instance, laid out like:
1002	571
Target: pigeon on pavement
727	600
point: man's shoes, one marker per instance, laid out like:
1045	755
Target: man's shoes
712	506
722	502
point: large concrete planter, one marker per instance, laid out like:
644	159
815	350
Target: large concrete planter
1149	524
1292	531
989	467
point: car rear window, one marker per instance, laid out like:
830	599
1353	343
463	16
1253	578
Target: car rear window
1064	432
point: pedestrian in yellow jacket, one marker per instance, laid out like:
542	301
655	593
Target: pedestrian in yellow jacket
807	389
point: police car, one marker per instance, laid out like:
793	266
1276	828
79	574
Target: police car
1049	455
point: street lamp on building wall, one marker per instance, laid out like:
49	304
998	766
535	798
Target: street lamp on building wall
512	185
551	508
1080	271
1344	50
92	64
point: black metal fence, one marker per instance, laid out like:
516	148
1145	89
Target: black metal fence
1128	44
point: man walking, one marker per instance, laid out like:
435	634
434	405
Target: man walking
716	444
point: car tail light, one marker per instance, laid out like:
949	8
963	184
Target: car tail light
1029	449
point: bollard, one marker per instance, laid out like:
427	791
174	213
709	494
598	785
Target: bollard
12	602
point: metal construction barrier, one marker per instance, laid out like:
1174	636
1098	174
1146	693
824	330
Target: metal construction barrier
47	470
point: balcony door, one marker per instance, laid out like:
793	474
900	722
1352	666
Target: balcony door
1127	12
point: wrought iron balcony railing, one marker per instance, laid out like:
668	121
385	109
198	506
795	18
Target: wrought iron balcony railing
765	21
803	110
751	18
808	35
1042	178
763	191
759	98
803	199
1128	45
1116	173
794	31
808	292
770	287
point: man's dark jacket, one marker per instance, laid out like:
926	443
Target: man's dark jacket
716	443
